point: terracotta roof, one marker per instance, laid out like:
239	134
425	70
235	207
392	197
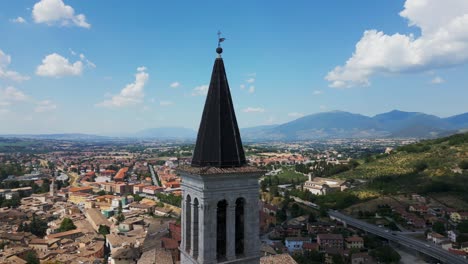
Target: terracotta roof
121	174
355	239
79	189
278	259
312	246
216	170
330	236
169	243
62	234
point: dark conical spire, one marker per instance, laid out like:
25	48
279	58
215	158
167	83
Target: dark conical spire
218	143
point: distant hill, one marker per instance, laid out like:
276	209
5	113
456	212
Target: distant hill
458	121
430	166
63	136
167	133
339	124
326	125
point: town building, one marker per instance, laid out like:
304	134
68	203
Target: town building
295	244
322	186
330	241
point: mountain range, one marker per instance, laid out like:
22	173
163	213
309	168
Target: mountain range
340	124
325	125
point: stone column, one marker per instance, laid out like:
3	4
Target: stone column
202	229
251	228
194	230
183	239
231	230
207	232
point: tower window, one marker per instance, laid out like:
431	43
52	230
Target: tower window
240	204
221	230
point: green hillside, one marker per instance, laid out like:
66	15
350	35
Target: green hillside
431	166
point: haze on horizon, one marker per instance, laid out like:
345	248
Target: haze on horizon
73	66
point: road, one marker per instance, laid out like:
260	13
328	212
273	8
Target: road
153	175
398	237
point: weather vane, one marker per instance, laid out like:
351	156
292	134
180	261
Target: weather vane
220	39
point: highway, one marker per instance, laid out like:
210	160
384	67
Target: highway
426	248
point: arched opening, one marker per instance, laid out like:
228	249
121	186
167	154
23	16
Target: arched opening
188	223
195	228
221	230
240	204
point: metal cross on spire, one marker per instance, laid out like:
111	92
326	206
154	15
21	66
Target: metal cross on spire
220	39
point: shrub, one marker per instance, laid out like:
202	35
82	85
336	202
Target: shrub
463	165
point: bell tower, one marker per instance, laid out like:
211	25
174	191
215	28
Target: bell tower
220	217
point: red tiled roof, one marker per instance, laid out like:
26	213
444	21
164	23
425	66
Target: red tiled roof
354	239
309	245
121	174
169	243
80	189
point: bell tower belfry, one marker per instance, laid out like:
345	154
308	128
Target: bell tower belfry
220	217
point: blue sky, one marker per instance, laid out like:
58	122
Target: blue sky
146	63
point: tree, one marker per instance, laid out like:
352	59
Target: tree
31	258
38	226
462	227
263	185
274	191
66	225
386	254
438	227
104	230
137	197
420	166
312	218
337	259
463	165
120	218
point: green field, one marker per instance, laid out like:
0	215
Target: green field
288	175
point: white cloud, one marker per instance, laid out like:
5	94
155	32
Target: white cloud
10	94
175	85
252	89
54	65
323	107
88	62
443	43
250	80
44	106
296	114
5	73
131	94
253	110
18	20
8	97
242	86
437	80
317	92
165	103
200	90
55	12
